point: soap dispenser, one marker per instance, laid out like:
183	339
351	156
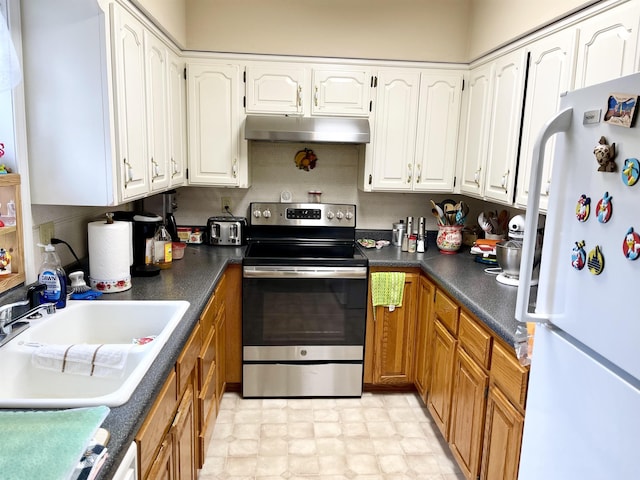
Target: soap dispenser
52	275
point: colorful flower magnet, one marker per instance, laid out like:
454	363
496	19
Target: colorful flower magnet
604	208
630	171
595	261
578	256
631	244
582	208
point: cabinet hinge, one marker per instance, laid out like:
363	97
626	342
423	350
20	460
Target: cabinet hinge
244	101
185	73
463	84
186	172
244	76
454	180
370	179
375	83
370	105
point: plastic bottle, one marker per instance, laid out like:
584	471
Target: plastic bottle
53	276
162	253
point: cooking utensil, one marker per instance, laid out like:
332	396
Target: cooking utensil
439	213
484	223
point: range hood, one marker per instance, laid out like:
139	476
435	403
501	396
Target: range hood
305	129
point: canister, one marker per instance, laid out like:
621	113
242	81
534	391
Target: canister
397	233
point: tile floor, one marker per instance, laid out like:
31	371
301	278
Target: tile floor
386	436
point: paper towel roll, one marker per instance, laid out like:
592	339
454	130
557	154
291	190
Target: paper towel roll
109	256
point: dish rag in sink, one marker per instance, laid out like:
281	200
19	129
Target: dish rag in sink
106	360
387	289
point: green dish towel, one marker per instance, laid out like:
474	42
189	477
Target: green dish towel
46	445
387	288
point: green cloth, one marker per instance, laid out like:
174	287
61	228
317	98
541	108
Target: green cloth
387	288
46	445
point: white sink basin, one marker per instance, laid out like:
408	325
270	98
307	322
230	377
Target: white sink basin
92	322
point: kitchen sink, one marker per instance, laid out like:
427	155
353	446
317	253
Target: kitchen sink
25	385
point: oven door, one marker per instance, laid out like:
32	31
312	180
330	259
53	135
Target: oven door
309	306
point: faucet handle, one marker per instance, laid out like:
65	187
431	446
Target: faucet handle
33	294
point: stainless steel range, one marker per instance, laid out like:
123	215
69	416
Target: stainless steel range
304	294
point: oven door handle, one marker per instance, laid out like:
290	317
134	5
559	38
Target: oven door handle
280	271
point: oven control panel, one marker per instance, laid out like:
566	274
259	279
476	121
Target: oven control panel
303	214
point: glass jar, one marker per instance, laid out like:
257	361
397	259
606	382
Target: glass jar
162	248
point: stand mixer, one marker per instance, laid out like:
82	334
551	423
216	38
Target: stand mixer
509	253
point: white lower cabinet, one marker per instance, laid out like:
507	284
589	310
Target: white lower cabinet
217	148
414	131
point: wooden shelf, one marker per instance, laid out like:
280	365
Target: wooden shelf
11	239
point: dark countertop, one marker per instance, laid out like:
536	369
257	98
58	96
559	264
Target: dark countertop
194	278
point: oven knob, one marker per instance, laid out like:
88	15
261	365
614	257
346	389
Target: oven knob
339	215
266	213
348	215
303	353
330	215
257	213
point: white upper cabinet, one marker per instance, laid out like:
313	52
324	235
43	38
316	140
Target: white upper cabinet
550	67
157	91
294	89
344	92
492	131
177	120
607	45
437	138
394	131
414	131
278	89
217	149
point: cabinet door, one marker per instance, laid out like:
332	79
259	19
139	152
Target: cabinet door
504	130
394	130
275	89
476	130
215	156
184	437
157	89
343	92
128	48
394	338
177	121
163	467
467	413
550	66
437	138
443	346
607	45
424	329
502	438
220	330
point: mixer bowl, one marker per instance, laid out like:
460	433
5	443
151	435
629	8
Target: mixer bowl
509	255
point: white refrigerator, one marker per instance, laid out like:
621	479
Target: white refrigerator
583	407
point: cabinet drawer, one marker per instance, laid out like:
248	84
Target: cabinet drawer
475	340
509	375
207	401
447	311
207	358
188	358
157	423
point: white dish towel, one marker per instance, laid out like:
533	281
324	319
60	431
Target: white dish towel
106	360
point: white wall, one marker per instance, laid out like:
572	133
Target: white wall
273	170
170	14
433	30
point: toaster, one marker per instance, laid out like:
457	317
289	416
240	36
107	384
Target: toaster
226	230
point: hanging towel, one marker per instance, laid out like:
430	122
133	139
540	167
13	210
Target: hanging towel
107	360
387	289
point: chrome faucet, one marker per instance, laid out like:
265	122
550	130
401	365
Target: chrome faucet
10	326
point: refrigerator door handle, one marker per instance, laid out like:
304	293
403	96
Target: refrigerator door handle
560	123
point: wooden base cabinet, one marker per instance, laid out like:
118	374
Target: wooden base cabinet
443	347
426	292
390	339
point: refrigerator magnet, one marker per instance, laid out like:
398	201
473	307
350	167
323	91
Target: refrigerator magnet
582	208
578	256
605	155
631	244
630	171
595	261
604	208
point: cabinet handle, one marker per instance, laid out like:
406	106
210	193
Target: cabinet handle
234	168
548	186
155	169
476	177
128	173
419	168
315	96
174	169
409	176
504	180
299	100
